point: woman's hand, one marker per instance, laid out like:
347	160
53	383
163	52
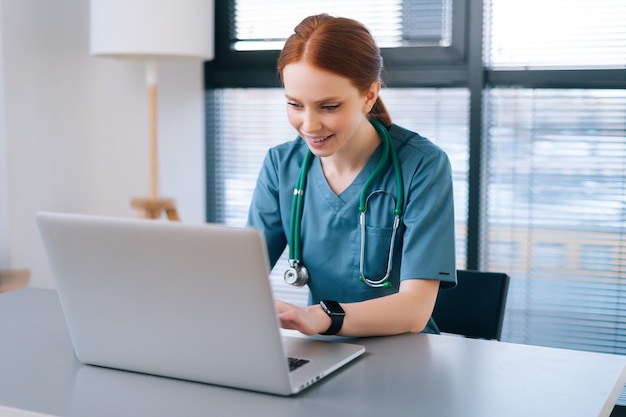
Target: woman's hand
309	320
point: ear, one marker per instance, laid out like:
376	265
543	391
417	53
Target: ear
371	95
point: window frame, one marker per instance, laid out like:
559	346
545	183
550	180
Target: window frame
404	66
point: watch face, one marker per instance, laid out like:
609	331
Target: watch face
332	307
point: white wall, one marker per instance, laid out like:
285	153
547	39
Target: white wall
4	227
74	128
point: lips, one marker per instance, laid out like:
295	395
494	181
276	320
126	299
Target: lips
318	139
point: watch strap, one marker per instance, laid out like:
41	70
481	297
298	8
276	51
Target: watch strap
336	314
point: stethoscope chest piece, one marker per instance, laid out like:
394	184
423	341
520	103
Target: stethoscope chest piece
296	275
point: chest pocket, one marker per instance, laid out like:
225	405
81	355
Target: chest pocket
378	221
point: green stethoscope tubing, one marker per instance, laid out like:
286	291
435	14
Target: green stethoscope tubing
295	251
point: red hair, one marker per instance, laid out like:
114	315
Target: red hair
339	45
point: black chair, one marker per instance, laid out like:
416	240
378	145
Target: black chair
475	307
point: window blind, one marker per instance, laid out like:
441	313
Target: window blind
394	23
243	123
556	216
556	33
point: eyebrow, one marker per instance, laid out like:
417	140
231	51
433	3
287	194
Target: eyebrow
324	100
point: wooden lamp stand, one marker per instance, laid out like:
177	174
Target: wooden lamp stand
152	207
152	31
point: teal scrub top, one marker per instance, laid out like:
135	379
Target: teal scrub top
330	230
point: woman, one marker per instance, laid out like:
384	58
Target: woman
362	282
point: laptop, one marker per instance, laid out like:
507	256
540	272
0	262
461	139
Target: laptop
192	302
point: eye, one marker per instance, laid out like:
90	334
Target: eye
294	105
331	107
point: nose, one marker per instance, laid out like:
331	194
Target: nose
311	121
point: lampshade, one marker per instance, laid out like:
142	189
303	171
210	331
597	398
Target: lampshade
152	29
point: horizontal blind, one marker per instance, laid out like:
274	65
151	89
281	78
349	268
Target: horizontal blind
556	33
244	123
556	189
556	215
394	23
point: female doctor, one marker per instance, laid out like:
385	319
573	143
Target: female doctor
364	205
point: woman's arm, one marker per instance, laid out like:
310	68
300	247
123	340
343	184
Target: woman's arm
408	310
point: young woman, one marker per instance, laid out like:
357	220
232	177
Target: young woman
365	206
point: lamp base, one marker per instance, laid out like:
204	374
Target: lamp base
150	208
13	279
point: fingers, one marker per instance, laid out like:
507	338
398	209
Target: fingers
288	315
293	317
282	306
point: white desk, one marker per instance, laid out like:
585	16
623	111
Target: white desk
406	375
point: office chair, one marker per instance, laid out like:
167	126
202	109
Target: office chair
475	307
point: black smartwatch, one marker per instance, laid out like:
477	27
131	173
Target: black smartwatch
336	314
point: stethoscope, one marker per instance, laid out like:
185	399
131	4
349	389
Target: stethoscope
297	273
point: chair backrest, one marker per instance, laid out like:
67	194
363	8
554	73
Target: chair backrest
475	307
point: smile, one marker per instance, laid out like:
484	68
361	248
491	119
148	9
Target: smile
319	140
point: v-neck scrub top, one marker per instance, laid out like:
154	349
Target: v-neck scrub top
330	230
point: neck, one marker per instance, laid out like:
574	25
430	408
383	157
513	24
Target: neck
341	168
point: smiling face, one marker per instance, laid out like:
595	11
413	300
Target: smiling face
327	110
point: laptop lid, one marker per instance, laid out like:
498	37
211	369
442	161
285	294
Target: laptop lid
185	301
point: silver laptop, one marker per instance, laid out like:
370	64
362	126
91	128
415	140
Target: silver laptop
192	302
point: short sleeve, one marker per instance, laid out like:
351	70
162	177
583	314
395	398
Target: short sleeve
428	250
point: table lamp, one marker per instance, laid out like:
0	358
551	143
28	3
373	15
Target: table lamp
152	31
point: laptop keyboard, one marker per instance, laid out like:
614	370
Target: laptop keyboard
295	363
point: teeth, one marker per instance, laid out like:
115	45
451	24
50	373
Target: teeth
318	140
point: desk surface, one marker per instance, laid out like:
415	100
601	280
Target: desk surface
412	374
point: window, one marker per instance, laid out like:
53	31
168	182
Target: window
529	100
557	34
555	189
409	32
394	23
